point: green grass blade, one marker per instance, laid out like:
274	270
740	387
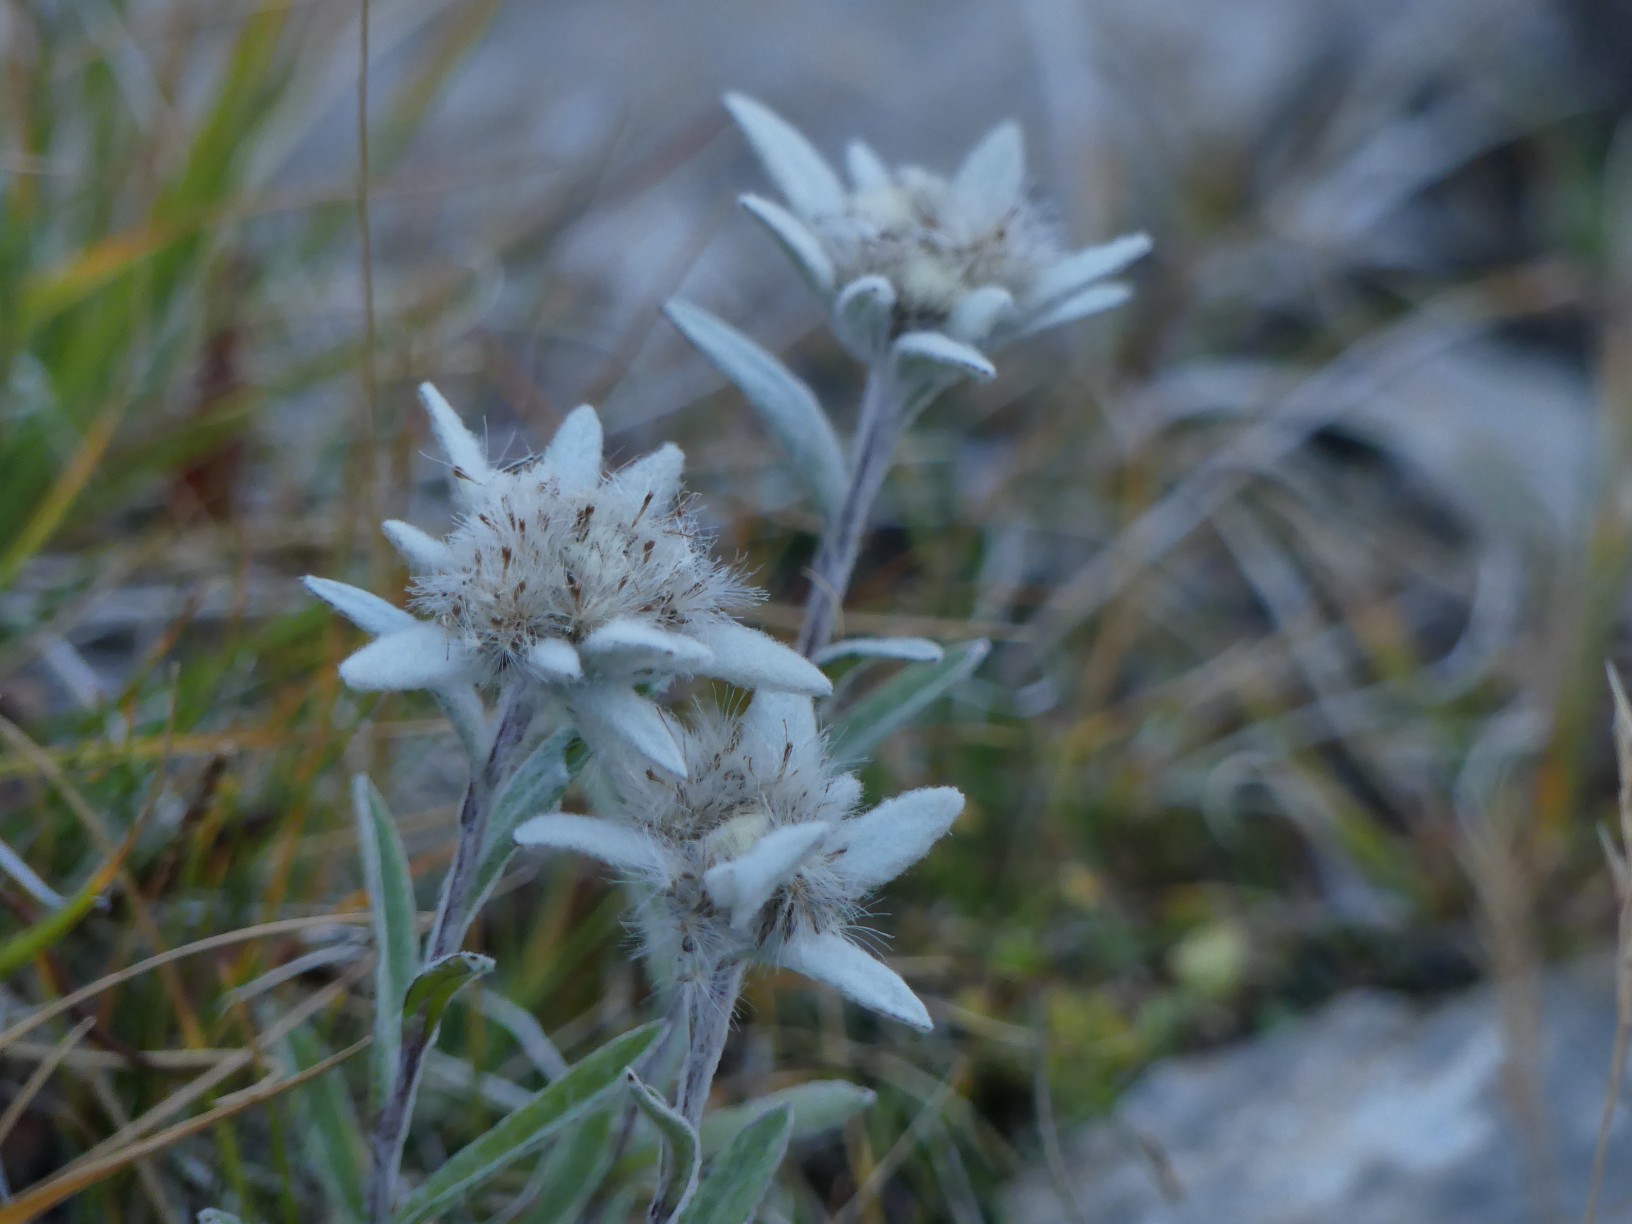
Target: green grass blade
333	1133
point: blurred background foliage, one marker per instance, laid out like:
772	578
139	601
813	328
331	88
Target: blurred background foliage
1300	572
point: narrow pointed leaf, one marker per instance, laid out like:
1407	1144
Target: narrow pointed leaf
574	454
990	181
422	657
574	1170
742	885
797	242
611	717
536	786
422	552
751	659
554	661
362	608
527	1128
1074	273
857	974
818	1106
879	845
932	355
907	649
463	449
391	905
740	1178
657	474
627	644
902	698
803	176
1096	299
867	169
612	842
864	316
682	1159
787	406
979	314
436	985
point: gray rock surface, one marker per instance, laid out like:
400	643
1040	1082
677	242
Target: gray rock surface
1375	1110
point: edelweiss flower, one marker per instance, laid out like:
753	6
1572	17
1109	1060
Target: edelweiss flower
586	585
904	253
759	855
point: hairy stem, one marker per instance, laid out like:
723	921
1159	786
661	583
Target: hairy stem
877	433
708	1003
447	932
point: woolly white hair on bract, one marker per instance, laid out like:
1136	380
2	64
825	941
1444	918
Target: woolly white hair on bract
901	251
559	576
759	852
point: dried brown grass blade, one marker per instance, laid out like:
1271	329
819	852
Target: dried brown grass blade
65	1185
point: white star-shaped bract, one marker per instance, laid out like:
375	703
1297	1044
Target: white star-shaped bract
587	585
919	267
759	854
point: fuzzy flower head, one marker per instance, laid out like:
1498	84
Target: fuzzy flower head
898	253
560	576
760	853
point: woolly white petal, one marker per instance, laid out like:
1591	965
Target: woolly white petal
554	661
978	313
867	169
863	315
991	178
629	645
1080	269
879	845
924	355
751	659
743	885
422	657
463	449
910	649
844	791
574	455
613	716
802	174
834	960
362	608
616	845
421	551
657	474
796	241
1093	300
774	720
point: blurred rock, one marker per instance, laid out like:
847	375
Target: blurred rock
1374	1110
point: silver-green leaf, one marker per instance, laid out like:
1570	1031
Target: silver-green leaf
391	904
682	1153
527	1128
435	986
737	1183
902	698
788	406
